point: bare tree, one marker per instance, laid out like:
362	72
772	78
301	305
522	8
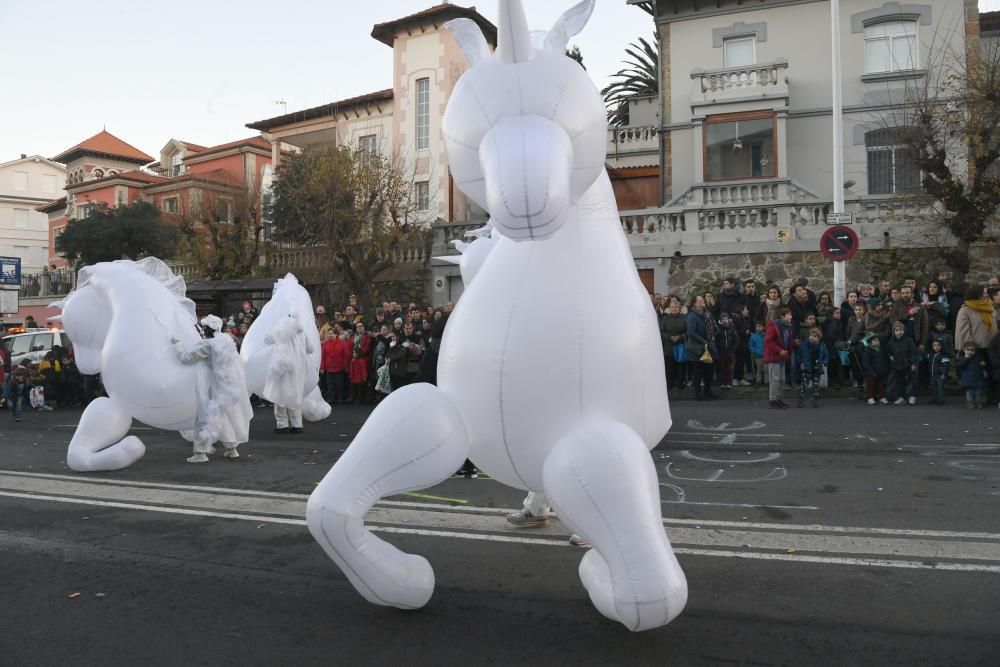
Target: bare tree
223	230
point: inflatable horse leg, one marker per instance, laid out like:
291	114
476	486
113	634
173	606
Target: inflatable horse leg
414	439
602	482
314	408
100	443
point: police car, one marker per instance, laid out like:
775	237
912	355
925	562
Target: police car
34	344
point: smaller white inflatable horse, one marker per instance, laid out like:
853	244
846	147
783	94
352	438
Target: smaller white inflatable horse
121	319
280	371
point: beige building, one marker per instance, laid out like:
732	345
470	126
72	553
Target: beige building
404	118
25	184
746	131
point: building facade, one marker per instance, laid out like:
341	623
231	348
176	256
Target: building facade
746	132
25	184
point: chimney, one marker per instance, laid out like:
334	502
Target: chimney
24	155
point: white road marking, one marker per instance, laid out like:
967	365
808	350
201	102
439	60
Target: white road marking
748	554
770	456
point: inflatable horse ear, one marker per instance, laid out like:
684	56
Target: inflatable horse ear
515	35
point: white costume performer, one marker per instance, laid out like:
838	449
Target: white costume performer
281	356
573	416
224	410
121	318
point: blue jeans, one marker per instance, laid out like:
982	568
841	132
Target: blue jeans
15	398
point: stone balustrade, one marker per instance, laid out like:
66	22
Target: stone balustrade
633	139
753	81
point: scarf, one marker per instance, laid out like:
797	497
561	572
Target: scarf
985	309
357	346
772	307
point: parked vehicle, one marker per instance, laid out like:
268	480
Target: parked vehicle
33	344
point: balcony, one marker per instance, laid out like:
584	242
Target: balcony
624	140
48	284
765	81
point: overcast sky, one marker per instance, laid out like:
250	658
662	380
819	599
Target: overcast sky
200	70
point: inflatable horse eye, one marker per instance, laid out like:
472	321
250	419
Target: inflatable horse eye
525	128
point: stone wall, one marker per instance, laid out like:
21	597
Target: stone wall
698	272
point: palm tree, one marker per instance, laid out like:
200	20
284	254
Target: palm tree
640	78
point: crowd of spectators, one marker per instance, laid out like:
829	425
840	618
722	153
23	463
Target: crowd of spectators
888	341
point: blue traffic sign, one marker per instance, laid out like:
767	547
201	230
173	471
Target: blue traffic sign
10	271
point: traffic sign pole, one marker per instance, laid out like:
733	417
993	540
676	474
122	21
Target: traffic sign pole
839	268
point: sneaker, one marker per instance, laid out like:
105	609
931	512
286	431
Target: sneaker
17	419
578	541
525	519
913	400
782	404
47	408
900	401
231	453
198	458
725	386
883	401
744	383
871	401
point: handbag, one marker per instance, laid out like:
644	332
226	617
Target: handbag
383	384
706	356
680	354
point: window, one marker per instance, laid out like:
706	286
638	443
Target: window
739	51
224	210
83	211
423	113
21	345
20	180
891	168
740	146
169	205
421	194
21	218
177	165
891	47
41	343
368	145
49	183
121	196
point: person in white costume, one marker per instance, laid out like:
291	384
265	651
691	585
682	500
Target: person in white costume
286	374
571	416
224	410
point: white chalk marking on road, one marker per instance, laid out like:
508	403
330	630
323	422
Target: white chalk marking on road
740	505
485	537
774	475
133	428
905	532
767	457
669	443
721	435
724	426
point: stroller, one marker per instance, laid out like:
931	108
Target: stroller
849	358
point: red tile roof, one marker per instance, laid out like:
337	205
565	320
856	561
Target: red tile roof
194	148
320	111
255	141
215	177
104	143
52	206
386	32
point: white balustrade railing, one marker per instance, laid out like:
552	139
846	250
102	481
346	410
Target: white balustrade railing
633	139
748	78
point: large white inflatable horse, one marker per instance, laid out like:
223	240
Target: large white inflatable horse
289	300
121	318
550	375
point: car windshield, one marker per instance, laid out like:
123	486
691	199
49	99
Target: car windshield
21	344
42	343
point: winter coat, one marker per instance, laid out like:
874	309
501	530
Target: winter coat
993	350
800	310
361	363
731	302
777	339
727	339
902	353
757	345
672	325
916	322
697	336
809	354
873	362
940	364
947	342
970	374
969	325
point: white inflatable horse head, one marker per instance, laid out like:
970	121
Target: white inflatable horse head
527	93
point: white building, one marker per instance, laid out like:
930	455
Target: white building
25	184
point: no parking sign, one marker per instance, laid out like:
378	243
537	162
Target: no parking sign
839	243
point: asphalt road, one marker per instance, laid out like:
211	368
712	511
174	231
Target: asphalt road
846	534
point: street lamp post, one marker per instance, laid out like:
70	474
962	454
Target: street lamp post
839	268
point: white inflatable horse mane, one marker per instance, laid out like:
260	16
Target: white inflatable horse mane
298	385
120	318
550	376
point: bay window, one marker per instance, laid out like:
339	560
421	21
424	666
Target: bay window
740	146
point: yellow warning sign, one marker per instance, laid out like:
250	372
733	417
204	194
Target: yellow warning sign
784	234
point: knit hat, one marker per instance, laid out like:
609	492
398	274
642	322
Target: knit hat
724	316
868	338
898	325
